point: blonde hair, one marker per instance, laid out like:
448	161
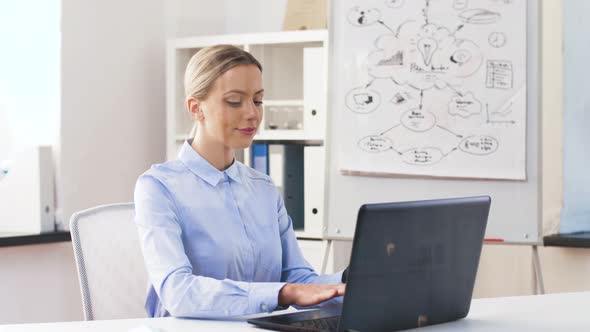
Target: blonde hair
207	65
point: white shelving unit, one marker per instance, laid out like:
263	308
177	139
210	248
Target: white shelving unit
295	105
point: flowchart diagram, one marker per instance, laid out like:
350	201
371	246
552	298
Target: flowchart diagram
441	93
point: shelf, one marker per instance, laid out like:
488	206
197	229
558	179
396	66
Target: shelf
290	142
20	239
278	138
282	37
284	134
302	235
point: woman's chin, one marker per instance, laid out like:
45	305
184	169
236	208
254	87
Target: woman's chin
243	144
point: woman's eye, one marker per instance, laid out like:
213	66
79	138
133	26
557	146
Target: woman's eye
234	103
258	102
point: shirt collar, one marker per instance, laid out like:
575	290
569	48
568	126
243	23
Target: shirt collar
203	169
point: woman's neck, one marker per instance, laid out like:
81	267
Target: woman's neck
217	154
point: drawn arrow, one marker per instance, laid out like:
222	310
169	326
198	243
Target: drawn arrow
390	129
505	111
409	86
425	11
496	121
394	81
445	129
394	150
499	121
421	97
457	30
387	27
448	153
455	90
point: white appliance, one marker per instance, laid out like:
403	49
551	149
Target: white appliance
27	191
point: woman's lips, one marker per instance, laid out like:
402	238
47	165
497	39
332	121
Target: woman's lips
247	131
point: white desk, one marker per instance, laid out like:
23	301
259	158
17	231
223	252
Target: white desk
554	312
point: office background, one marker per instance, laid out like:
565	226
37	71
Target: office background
112	81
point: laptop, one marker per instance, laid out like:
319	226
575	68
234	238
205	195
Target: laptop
413	264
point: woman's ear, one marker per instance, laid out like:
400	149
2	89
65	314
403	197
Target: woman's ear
195	108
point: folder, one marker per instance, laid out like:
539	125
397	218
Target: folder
314	92
260	158
293	179
314	189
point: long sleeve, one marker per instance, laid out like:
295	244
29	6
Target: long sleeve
170	272
295	268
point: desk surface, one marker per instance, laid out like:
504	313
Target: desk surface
572	240
553	312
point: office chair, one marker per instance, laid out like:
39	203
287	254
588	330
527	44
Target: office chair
111	270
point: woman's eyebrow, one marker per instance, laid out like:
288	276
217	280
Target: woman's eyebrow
243	92
235	91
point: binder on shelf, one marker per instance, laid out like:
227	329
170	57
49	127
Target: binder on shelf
260	158
293	184
275	165
314	92
314	163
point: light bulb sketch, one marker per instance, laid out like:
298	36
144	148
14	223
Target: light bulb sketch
427	47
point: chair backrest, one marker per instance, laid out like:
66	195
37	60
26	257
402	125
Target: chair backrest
110	264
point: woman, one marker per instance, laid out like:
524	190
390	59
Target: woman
216	238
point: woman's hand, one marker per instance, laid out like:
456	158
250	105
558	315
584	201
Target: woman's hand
306	294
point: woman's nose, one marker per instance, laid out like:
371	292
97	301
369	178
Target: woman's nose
252	111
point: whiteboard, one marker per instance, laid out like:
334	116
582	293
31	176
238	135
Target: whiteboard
375	174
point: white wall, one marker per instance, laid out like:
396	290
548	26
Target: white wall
575	216
201	17
39	283
254	15
552	101
112	126
194	17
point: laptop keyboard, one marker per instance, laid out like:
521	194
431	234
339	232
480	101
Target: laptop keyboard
324	324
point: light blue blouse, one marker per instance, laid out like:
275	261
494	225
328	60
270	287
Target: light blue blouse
215	243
